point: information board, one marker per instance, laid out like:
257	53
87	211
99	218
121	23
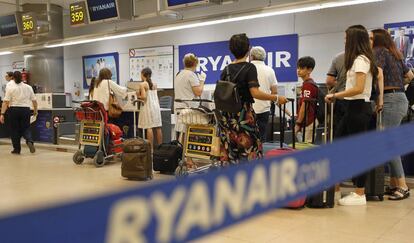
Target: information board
29	23
8	25
78	14
159	59
102	10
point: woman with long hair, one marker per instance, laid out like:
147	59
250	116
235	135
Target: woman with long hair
361	73
150	114
103	85
396	74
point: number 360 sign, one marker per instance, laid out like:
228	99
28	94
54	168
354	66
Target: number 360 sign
29	23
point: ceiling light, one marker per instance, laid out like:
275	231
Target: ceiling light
6	53
264	14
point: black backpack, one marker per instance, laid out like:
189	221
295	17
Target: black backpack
320	104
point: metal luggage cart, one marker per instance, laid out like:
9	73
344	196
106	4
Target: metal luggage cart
94	142
201	141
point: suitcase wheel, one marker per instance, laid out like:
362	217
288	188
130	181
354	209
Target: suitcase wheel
99	159
181	170
78	157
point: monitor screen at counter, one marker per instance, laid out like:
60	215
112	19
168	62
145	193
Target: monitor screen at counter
102	10
8	25
174	3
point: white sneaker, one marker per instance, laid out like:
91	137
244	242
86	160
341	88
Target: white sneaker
337	196
353	199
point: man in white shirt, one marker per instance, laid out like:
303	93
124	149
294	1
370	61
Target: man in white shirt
268	84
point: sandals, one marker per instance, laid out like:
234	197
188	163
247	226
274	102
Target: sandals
389	191
400	194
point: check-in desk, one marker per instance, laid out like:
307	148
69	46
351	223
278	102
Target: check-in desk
53	109
126	121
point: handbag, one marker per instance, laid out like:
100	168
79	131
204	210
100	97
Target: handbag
114	109
226	94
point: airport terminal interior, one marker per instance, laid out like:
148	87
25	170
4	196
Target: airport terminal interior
105	101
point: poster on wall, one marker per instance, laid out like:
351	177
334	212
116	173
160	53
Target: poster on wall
94	63
282	55
403	34
159	59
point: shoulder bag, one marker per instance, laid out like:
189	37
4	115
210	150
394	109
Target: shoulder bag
226	94
114	109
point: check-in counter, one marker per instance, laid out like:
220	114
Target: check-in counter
53	108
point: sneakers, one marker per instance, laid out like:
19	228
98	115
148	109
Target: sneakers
31	147
353	199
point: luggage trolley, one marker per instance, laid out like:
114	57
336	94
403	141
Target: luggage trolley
97	138
202	141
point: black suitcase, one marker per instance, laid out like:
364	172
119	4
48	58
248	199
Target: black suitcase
166	157
136	159
374	186
325	198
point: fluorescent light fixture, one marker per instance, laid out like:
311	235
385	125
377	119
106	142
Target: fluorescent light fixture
6	53
264	14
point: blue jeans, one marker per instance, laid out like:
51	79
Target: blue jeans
262	120
395	108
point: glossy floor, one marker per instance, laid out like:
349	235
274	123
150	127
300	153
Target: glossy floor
47	177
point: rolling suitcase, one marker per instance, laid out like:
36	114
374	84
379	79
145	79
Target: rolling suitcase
136	158
374	186
281	150
325	198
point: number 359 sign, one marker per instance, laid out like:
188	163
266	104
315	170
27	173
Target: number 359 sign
78	14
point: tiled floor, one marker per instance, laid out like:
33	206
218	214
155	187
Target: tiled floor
47	177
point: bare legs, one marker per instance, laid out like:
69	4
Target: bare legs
158	134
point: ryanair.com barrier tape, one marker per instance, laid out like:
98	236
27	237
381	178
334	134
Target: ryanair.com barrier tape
182	210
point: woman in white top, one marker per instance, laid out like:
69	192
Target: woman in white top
150	114
19	98
103	85
361	73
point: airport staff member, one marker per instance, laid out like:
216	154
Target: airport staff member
19	99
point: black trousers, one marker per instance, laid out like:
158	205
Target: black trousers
356	120
262	120
19	124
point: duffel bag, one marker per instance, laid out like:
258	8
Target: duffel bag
166	156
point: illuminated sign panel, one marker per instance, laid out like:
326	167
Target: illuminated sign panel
78	14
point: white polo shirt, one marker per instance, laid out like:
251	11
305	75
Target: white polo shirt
267	78
361	65
19	95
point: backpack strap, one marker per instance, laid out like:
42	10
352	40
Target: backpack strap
228	76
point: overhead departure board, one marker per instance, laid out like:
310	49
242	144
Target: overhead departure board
78	14
29	23
100	10
8	26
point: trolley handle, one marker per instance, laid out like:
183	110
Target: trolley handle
193	100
